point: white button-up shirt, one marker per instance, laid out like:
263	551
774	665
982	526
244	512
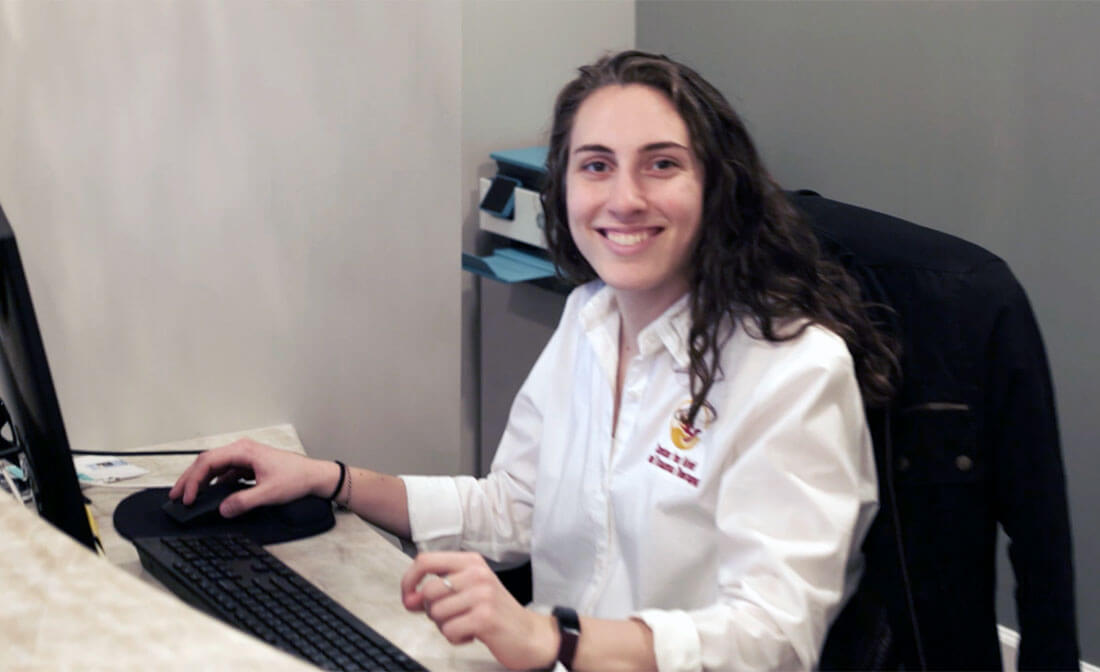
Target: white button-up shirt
736	540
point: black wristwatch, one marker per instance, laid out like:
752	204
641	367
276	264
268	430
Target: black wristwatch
569	625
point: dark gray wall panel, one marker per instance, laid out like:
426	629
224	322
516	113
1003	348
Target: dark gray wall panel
977	118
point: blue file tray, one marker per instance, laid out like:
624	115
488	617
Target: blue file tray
529	158
508	265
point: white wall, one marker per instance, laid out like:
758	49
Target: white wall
218	203
241	213
515	58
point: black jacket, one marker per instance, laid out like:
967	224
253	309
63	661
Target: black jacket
970	442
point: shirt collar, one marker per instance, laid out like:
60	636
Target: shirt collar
670	330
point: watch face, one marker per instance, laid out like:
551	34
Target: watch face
567	618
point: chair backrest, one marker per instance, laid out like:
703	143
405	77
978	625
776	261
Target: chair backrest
971	429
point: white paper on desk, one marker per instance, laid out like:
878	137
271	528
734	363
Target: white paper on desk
105	468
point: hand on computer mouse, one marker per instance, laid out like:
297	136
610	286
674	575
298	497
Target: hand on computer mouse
281	476
205	507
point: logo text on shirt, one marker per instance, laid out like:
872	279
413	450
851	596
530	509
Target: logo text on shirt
680	467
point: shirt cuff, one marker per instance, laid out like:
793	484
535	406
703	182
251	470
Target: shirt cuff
435	512
675	639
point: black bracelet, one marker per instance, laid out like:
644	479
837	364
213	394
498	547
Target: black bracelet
339	481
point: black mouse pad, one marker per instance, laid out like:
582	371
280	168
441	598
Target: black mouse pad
141	515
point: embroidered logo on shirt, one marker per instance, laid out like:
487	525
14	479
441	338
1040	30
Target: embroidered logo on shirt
684	437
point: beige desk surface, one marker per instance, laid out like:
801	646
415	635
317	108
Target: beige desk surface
75	611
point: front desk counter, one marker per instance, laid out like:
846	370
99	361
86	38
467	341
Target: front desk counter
124	624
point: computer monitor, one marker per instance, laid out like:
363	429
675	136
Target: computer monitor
37	436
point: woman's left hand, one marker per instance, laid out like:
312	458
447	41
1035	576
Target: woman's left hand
467	601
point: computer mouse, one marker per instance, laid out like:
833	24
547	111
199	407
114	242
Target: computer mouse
205	507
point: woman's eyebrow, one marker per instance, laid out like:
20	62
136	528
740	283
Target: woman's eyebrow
651	147
668	144
592	148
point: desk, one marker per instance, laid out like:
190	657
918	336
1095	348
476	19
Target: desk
152	629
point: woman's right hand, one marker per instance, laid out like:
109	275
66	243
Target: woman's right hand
281	476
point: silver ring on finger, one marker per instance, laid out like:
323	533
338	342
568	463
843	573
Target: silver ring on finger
447	582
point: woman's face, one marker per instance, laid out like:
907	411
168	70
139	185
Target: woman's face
634	192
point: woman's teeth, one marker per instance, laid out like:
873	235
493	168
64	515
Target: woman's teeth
624	238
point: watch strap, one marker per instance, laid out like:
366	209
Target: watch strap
569	626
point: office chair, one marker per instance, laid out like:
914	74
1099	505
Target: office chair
970	442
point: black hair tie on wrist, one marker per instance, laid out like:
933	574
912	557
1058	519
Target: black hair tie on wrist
339	481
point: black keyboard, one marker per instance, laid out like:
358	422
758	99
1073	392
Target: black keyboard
234	579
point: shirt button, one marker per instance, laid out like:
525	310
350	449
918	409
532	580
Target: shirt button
964	463
903	464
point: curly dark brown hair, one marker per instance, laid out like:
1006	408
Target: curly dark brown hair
756	256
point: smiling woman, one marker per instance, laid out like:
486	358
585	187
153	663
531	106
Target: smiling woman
687	466
755	257
635	198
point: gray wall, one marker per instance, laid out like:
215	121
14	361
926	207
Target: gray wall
977	118
244	213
